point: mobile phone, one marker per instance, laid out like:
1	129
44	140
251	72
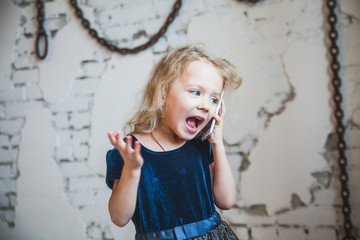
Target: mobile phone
209	128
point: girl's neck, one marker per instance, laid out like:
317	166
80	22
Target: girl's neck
167	138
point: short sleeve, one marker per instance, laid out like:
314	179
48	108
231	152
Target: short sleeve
114	164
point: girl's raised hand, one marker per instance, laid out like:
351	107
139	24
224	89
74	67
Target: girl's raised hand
132	156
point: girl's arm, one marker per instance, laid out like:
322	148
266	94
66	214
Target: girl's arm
122	202
223	180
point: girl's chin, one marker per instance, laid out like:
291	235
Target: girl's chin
187	135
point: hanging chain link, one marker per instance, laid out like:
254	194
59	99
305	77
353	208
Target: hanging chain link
41	34
339	114
106	43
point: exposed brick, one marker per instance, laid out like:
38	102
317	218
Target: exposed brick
56	8
33	92
80	198
176	39
8	155
125	15
80	120
4	140
126	36
15	140
269	233
354	138
84	87
17	110
96	209
241	232
12	199
7	185
56	23
292	233
75	169
78	184
92	69
61	120
29	21
26	76
81	136
2	110
6	171
63	152
14	94
64	138
152	27
8	215
4	201
23	48
312	215
64	148
11	127
71	104
161	47
81	151
94	231
323	233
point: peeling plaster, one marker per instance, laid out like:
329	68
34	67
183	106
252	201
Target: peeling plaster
214	30
256	38
60	68
9	14
112	106
290	138
350	8
39	195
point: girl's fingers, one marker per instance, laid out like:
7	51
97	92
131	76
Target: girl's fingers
128	141
217	118
116	141
111	138
137	148
222	109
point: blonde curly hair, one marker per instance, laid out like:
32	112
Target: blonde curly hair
165	72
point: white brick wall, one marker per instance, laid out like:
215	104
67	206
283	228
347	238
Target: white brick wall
279	47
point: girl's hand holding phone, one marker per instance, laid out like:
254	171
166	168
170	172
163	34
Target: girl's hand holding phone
132	156
217	136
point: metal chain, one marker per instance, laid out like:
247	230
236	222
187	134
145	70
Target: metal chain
106	43
41	34
339	114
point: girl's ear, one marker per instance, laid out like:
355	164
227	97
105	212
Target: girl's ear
163	96
163	101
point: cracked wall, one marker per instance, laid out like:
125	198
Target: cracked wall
54	114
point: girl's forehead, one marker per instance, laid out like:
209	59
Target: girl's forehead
202	73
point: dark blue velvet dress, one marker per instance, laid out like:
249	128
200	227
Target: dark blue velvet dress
175	186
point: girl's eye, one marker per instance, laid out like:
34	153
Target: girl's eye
195	92
214	100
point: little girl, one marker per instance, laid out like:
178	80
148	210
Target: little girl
162	175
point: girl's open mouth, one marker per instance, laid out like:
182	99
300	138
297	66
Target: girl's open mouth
194	122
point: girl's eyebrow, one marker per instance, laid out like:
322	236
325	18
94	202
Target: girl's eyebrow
195	85
217	94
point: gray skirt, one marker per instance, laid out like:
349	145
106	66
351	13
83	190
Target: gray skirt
221	232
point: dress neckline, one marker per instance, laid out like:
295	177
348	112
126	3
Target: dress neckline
161	152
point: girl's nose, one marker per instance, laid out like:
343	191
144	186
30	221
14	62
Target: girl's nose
203	105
